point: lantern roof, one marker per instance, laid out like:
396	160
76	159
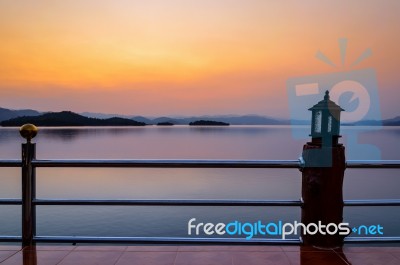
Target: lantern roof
326	103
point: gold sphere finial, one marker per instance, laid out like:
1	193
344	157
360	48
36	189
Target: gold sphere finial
28	131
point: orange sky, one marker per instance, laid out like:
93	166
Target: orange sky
185	57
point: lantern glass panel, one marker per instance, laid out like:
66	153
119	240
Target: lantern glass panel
330	124
318	121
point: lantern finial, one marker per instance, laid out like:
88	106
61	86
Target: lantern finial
326	95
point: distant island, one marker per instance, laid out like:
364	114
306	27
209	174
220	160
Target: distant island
165	123
208	123
68	118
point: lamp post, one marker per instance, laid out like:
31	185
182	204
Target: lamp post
28	131
323	173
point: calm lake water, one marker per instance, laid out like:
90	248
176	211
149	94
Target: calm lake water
184	142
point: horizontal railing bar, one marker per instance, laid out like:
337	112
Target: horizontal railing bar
373	164
381	202
207	202
10	239
193	163
176	240
170	202
392	239
173	163
164	240
10	163
10	202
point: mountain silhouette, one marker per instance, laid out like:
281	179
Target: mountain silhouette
6	114
252	119
68	118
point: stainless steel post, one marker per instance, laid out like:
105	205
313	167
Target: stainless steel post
28	131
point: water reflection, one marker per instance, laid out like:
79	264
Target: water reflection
69	134
66	133
233	142
29	256
342	255
181	142
311	256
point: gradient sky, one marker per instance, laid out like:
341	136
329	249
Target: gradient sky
182	57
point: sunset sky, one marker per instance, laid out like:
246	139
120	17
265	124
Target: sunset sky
183	57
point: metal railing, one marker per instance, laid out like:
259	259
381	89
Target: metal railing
29	201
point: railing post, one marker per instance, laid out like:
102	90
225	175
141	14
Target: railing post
322	194
322	177
28	131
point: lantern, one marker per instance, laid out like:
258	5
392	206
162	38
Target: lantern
325	122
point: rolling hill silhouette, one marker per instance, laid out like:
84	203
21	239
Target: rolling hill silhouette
68	118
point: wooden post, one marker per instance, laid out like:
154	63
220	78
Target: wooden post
322	191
